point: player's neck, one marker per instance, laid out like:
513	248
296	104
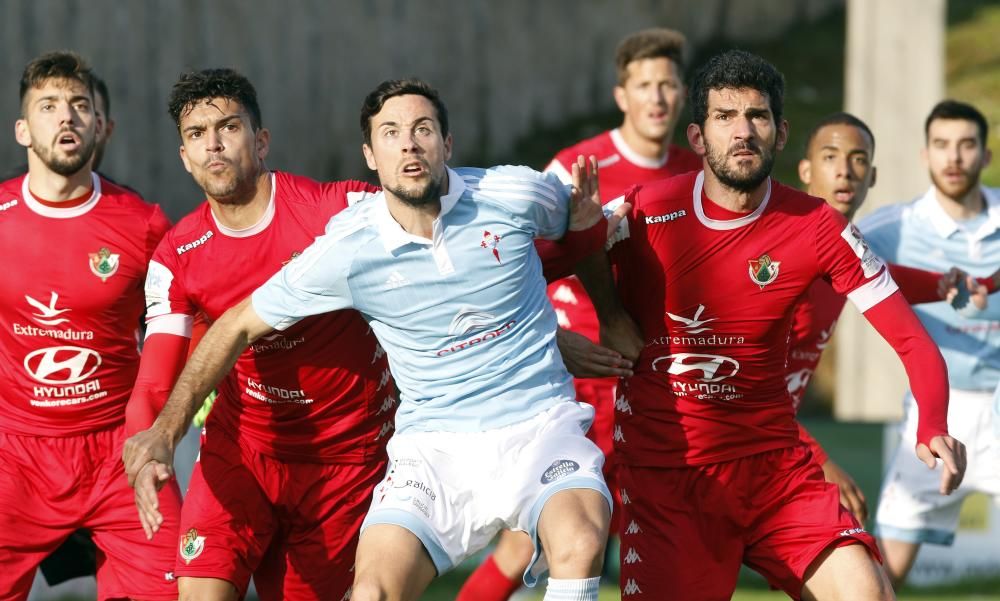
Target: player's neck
963	208
737	201
416	219
653	150
49	185
240	214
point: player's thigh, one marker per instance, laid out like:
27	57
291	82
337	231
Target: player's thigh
513	553
798	519
846	573
32	521
321	538
678	540
206	589
391	564
227	520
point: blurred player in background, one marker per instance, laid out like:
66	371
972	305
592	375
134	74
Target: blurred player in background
77	248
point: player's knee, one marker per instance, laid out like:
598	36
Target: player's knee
579	554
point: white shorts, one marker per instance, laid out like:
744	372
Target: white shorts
456	491
910	508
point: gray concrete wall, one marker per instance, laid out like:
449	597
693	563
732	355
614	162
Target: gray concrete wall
893	94
503	67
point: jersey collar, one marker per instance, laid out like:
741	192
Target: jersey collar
57	212
256	228
945	226
726	224
394	236
632	156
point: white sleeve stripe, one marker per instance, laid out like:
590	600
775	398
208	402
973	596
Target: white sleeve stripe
873	291
174	323
522	197
537	192
556	168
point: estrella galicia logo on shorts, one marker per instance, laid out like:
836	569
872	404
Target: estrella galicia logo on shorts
191	545
559	469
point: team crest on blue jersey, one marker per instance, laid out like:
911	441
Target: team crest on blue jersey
763	270
104	263
491	241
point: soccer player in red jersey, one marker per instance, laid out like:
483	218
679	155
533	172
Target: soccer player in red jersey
650	95
296	439
77	247
711	264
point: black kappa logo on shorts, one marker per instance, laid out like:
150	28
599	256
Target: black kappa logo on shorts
559	469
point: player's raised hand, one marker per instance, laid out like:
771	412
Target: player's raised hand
148	445
952	455
585	208
148	482
584	359
851	496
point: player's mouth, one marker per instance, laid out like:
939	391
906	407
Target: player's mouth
216	165
68	141
657	116
414	169
954	174
843	195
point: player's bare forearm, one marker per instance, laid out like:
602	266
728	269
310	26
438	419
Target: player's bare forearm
618	331
215	355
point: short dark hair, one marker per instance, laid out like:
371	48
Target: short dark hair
736	69
841	118
101	89
952	110
400	87
658	42
194	86
61	64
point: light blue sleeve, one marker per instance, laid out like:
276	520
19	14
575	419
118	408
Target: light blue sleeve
540	201
882	231
314	282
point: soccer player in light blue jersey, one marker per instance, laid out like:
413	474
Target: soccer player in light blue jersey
443	266
956	222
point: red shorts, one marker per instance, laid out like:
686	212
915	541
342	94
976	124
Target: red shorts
51	486
685	531
600	394
293	526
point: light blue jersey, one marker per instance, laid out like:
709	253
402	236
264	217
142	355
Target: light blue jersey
920	234
463	317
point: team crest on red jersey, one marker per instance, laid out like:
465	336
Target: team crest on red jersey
763	270
491	241
104	263
191	545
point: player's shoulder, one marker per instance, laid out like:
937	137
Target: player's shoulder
196	225
676	188
124	197
305	191
510	183
682	159
601	146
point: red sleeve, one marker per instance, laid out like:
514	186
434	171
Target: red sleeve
925	367
158	226
559	258
917	285
163	357
818	453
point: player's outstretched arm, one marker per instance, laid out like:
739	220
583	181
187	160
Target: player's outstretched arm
618	331
928	376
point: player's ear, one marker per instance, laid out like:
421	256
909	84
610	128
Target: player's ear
987	157
184	159
447	147
369	157
805	171
695	139
620	99
263	140
874	176
21	133
923	156
782	138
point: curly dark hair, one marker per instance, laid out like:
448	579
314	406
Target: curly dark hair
61	64
400	87
953	110
736	69
195	86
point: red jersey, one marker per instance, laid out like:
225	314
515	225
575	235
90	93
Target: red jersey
812	327
714	296
317	392
70	307
620	168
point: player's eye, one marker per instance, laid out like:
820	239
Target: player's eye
390	133
423	130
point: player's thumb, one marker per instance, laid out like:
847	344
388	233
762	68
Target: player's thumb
163	473
924	454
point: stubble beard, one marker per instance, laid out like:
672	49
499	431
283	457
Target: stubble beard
65	166
741	180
